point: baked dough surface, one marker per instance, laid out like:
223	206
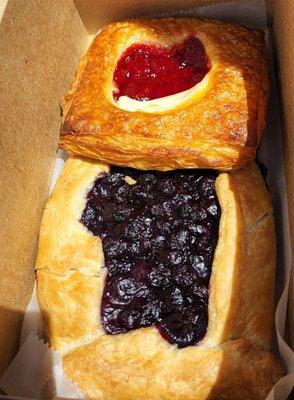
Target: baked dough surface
219	127
231	362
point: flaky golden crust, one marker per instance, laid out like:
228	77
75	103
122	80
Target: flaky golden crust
244	261
220	128
134	369
228	363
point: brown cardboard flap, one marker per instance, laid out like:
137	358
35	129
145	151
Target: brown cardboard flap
270	8
41	43
284	34
94	15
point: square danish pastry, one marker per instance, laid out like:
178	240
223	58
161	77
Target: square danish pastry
167	94
159	285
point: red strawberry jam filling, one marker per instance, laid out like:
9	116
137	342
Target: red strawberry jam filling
159	236
146	72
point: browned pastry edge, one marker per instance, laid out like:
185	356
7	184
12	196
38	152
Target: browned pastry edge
220	129
227	364
233	370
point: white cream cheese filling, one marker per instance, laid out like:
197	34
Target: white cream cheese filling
164	103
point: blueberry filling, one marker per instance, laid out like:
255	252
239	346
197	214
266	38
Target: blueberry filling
159	231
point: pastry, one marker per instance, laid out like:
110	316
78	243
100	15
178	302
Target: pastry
160	285
168	94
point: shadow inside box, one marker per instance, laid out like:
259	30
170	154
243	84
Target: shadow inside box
10	328
245	372
26	371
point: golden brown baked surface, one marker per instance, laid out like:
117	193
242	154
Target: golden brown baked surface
218	127
234	370
231	362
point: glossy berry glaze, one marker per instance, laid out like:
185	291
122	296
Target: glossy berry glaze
159	237
146	72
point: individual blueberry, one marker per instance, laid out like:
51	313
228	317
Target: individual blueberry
163	227
114	247
121	212
113	178
185	210
177	297
158	242
135	248
168	207
203	244
122	193
88	215
134	230
131	287
194	228
180	199
175	257
182	276
151	312
148	180
166	186
213	209
159	275
175	327
179	239
198	214
117	266
129	319
200	268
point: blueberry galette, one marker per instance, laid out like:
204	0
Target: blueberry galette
159	285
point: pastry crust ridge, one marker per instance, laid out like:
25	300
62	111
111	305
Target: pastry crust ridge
232	360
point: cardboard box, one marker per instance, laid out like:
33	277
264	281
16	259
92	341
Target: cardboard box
41	43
